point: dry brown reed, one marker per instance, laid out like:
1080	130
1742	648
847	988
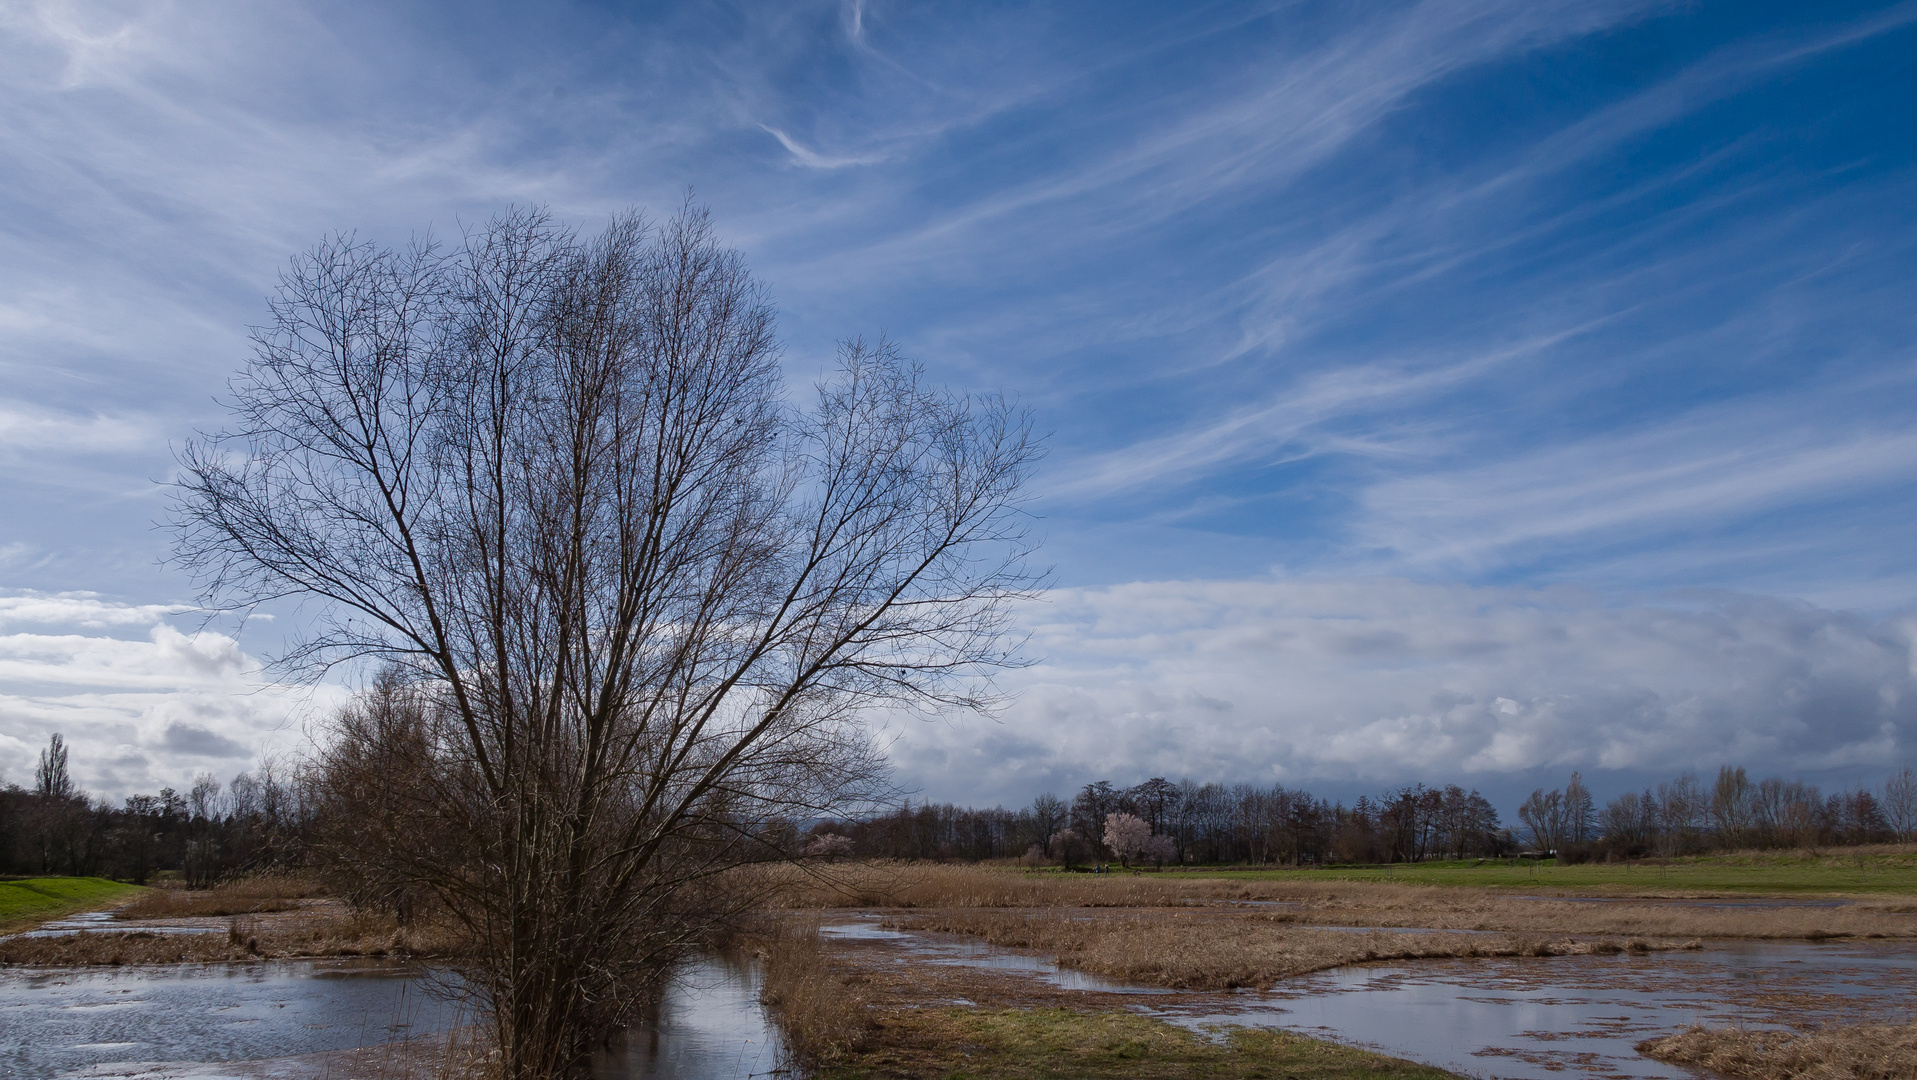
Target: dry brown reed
1836	1053
1198	953
820	1007
1326	903
248	896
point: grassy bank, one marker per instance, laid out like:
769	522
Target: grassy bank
956	1043
1854	871
30	901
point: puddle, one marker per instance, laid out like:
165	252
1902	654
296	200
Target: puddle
926	947
109	922
67	1021
1552	1017
710	1027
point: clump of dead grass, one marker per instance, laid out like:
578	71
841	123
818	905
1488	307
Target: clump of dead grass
820	1008
1839	1053
1193	953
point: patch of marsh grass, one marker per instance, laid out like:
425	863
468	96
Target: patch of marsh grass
1861	1052
246	896
1224	954
1307	900
821	1009
1029	1044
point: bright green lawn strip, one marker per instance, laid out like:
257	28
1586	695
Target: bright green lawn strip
1834	873
1056	1044
34	900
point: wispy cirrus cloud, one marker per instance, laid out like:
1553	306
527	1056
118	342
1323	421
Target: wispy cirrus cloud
1482	294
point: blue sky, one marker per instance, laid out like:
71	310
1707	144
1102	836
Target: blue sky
1436	391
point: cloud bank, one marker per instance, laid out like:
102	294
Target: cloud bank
1378	681
143	704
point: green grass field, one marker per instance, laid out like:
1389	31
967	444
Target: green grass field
32	900
1789	873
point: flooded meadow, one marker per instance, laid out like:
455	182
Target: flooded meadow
1579	1011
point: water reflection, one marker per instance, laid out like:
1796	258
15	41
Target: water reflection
709	1027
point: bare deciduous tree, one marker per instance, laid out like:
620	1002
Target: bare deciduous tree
635	604
1543	818
1900	803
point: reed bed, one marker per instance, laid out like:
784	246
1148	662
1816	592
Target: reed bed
821	1008
1860	1052
1189	953
1322	902
247	896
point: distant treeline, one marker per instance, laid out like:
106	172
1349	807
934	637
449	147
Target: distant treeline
1683	816
1247	823
208	833
1203	823
269	817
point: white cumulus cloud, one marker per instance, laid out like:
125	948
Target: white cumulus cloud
142	703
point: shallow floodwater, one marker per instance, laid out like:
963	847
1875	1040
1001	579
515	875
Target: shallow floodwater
1506	1017
1576	1015
110	921
60	1022
710	1027
925	947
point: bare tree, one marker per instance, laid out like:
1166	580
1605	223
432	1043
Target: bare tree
1580	812
1543	818
1049	814
58	820
1900	803
638	603
51	781
1732	799
203	799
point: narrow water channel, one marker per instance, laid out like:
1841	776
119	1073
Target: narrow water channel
709	1027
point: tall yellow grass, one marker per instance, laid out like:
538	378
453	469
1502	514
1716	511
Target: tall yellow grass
247	896
1324	903
823	1014
1839	1053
